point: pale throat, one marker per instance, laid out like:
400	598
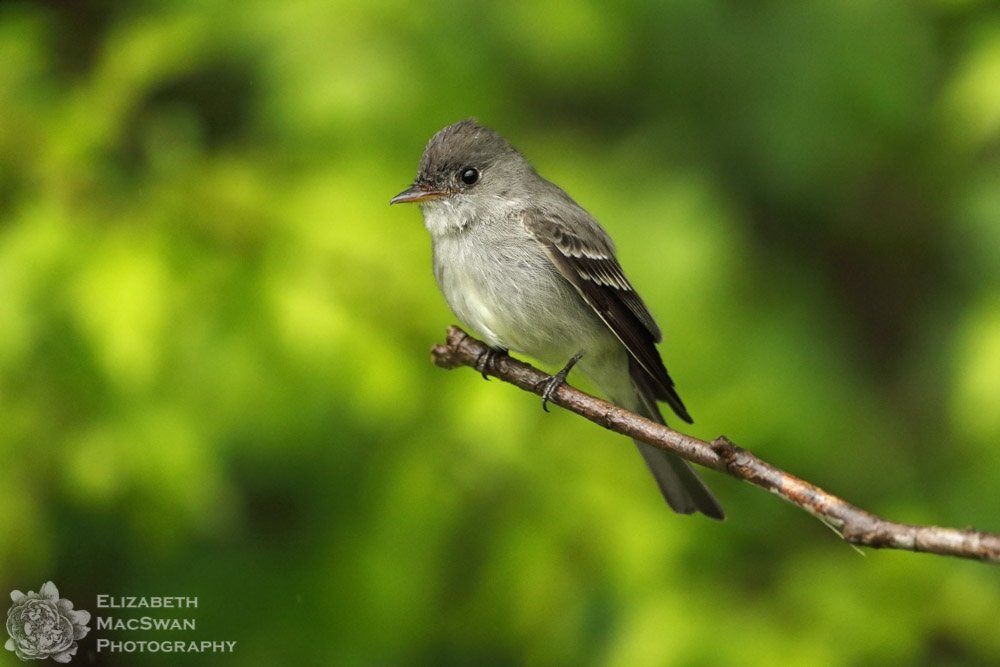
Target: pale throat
458	213
448	215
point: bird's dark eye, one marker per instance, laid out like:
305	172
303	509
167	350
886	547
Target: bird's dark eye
469	175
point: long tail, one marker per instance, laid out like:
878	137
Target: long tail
683	490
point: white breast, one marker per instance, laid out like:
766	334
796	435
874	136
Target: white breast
501	283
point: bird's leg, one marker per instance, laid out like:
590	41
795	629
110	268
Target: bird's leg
553	382
486	359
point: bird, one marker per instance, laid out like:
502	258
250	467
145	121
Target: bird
530	271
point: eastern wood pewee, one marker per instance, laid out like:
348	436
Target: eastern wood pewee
529	270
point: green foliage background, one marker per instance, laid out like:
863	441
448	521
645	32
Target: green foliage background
214	333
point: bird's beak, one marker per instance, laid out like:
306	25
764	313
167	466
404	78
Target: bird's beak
417	192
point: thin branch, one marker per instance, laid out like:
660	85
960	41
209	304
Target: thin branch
852	523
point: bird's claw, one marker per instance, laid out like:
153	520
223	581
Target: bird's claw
551	384
486	359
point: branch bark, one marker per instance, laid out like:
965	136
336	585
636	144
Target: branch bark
854	525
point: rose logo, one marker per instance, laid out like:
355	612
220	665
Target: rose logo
41	625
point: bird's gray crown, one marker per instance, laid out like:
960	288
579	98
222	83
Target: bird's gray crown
465	144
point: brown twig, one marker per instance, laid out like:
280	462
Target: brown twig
852	523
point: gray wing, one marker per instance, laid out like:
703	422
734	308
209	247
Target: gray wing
585	256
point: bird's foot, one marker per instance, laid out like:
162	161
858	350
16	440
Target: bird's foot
486	359
552	383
